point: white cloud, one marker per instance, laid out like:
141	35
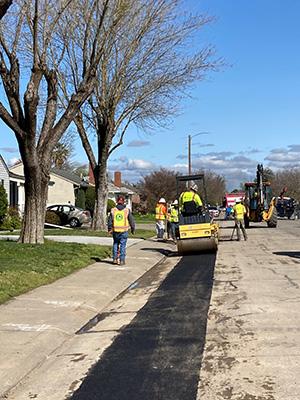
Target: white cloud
11	161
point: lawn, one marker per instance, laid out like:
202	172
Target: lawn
144	219
26	266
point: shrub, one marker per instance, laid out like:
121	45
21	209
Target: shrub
110	204
3	203
90	199
80	199
56	217
12	220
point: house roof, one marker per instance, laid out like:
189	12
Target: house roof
115	189
70	176
16	176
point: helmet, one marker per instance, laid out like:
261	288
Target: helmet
194	188
239	200
175	202
121	200
162	200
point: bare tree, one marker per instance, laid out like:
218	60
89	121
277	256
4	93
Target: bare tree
30	32
146	69
288	177
160	183
215	186
4	5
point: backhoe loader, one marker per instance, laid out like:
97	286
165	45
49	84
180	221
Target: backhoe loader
259	203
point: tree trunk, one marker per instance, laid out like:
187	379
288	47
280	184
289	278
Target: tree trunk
36	191
4	5
101	196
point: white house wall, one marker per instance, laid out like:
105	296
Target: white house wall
4	177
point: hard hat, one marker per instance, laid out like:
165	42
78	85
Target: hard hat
162	200
239	200
194	188
121	200
175	202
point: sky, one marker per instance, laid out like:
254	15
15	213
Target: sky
250	107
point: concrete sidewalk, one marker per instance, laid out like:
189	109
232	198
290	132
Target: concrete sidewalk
34	325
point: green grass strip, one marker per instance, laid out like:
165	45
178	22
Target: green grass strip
25	266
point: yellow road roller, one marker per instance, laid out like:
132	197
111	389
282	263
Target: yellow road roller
197	232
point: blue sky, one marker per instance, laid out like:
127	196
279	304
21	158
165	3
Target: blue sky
251	108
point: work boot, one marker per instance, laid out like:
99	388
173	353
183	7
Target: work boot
115	261
122	262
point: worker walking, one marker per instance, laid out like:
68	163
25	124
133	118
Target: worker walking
190	200
174	219
120	220
238	211
160	217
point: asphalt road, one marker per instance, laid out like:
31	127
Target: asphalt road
164	343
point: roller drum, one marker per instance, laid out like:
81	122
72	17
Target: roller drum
198	245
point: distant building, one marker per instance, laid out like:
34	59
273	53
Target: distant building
115	188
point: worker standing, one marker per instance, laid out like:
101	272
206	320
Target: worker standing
238	211
160	217
174	219
190	196
120	220
169	221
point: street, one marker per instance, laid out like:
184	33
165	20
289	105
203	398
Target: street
197	327
158	355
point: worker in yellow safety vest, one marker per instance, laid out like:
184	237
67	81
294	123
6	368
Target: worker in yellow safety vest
160	218
190	195
174	219
120	220
238	211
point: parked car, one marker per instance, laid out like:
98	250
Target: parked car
214	212
76	216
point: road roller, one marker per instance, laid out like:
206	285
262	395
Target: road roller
197	232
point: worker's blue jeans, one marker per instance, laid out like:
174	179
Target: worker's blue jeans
175	225
120	239
160	228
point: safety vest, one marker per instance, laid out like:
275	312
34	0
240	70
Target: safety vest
174	214
239	211
120	219
190	196
160	212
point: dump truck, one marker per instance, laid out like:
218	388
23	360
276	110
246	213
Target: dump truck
259	203
197	232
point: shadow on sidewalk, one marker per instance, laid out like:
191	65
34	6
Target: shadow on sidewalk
293	254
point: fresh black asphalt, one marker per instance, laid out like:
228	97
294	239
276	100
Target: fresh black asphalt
158	355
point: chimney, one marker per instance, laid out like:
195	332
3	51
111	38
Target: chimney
118	180
91	176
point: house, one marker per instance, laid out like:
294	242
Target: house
63	186
115	188
14	186
4	176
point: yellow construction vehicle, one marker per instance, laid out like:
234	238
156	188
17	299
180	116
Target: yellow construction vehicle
259	203
197	232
